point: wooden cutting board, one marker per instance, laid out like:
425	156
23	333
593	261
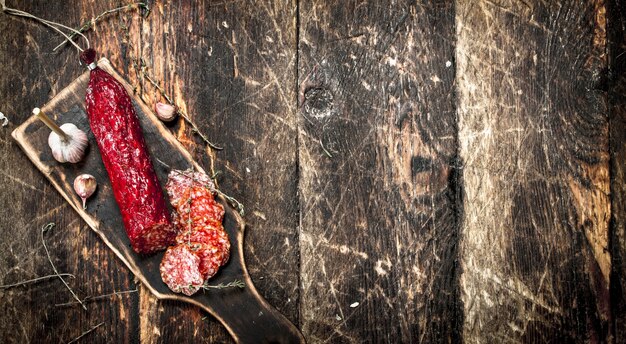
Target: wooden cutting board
244	313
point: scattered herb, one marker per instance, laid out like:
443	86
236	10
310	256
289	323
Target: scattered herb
94	298
88	25
85	333
44	229
233	202
194	127
234	284
34	280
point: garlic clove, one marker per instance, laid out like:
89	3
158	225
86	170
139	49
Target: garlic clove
165	112
71	149
54	141
85	185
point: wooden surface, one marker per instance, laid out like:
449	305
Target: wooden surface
260	323
433	171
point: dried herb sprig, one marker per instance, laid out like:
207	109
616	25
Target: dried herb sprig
34	280
233	284
194	127
44	229
98	297
91	23
85	333
54	26
233	202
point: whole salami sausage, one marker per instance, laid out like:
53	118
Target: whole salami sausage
136	188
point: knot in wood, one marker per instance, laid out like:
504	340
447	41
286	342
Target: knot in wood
318	102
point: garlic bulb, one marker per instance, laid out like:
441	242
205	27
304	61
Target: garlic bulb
72	147
85	185
68	143
165	112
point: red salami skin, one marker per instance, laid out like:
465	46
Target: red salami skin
136	188
180	270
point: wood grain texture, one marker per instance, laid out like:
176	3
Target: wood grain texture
31	75
466	201
533	133
378	187
616	28
166	44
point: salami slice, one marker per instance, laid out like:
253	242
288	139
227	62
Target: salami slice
180	270
212	236
210	258
179	181
198	218
198	205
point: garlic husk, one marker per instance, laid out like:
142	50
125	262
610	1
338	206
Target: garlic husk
71	149
85	185
165	112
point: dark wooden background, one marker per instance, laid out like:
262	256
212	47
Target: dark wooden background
430	171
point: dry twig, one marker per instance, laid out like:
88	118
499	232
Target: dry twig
44	229
34	280
86	26
194	127
85	333
234	284
98	297
54	26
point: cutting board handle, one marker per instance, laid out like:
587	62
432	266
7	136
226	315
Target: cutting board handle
251	319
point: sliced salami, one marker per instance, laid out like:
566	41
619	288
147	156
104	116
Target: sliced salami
198	205
208	234
179	181
180	270
212	236
210	258
198	218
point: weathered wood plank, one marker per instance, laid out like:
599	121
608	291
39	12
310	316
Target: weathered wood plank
616	28
378	187
231	67
32	74
533	134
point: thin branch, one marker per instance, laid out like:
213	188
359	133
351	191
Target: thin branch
194	127
50	24
325	150
44	229
214	176
162	163
233	202
94	298
88	25
234	284
34	280
85	333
